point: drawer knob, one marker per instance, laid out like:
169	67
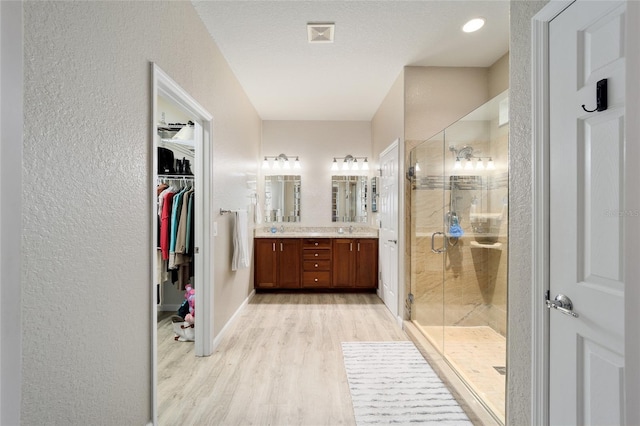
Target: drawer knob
316	243
316	280
316	255
316	265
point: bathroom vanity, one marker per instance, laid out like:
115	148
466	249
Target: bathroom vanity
316	260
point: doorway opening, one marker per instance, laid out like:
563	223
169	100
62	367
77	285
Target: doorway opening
182	155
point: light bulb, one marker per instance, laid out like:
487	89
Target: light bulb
296	164
345	165
285	164
479	164
265	164
276	164
490	164
473	25
334	165
457	165
354	165
468	165
417	167
365	165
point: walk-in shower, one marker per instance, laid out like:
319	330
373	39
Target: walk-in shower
459	245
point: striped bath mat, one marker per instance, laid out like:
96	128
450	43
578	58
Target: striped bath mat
392	384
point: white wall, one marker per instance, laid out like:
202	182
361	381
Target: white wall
520	214
316	143
10	210
86	197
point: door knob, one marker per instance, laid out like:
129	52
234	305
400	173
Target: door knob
393	241
561	303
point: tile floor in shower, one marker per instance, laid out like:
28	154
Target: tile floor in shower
478	354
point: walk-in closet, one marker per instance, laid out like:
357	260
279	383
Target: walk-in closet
176	201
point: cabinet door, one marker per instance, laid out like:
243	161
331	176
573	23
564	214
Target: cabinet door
367	263
265	263
289	262
344	269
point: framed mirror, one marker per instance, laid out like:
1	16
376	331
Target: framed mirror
282	198
349	199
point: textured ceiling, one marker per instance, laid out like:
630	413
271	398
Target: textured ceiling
286	78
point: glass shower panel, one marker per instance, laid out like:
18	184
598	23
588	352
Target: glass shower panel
459	242
475	272
427	237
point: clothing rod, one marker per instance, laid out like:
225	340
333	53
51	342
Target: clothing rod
183	177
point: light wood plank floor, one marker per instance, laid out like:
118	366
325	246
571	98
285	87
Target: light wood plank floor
280	364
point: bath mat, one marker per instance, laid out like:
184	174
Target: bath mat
392	384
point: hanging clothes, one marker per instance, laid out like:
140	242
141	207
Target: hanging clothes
175	228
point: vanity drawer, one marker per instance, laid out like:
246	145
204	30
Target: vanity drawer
319	254
316	265
316	243
316	279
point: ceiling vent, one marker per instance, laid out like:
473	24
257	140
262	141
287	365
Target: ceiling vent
320	32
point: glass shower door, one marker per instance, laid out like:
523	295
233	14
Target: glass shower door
427	238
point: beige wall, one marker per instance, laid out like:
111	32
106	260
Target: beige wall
87	220
435	97
387	124
499	76
316	143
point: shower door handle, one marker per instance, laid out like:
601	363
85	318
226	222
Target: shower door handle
433	248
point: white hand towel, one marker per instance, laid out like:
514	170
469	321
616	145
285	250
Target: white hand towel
240	241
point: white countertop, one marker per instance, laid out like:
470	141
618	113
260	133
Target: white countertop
317	232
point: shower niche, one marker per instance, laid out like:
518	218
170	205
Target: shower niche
459	244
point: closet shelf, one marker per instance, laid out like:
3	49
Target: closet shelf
187	142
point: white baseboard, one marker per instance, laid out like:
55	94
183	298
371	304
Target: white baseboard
168	307
227	326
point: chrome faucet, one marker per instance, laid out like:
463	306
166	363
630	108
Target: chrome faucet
281	228
351	229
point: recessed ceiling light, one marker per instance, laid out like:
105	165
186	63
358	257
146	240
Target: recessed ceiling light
320	32
473	25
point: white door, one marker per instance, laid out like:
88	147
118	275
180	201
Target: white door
587	223
388	238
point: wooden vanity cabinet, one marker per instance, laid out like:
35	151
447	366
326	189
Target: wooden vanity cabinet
277	263
316	263
355	263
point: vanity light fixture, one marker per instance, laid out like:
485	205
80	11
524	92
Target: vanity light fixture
464	156
350	163
280	162
416	167
473	25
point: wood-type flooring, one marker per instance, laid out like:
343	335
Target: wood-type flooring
280	363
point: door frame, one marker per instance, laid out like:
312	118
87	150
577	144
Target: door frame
11	142
540	219
165	86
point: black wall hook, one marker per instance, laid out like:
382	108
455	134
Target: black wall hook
601	96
